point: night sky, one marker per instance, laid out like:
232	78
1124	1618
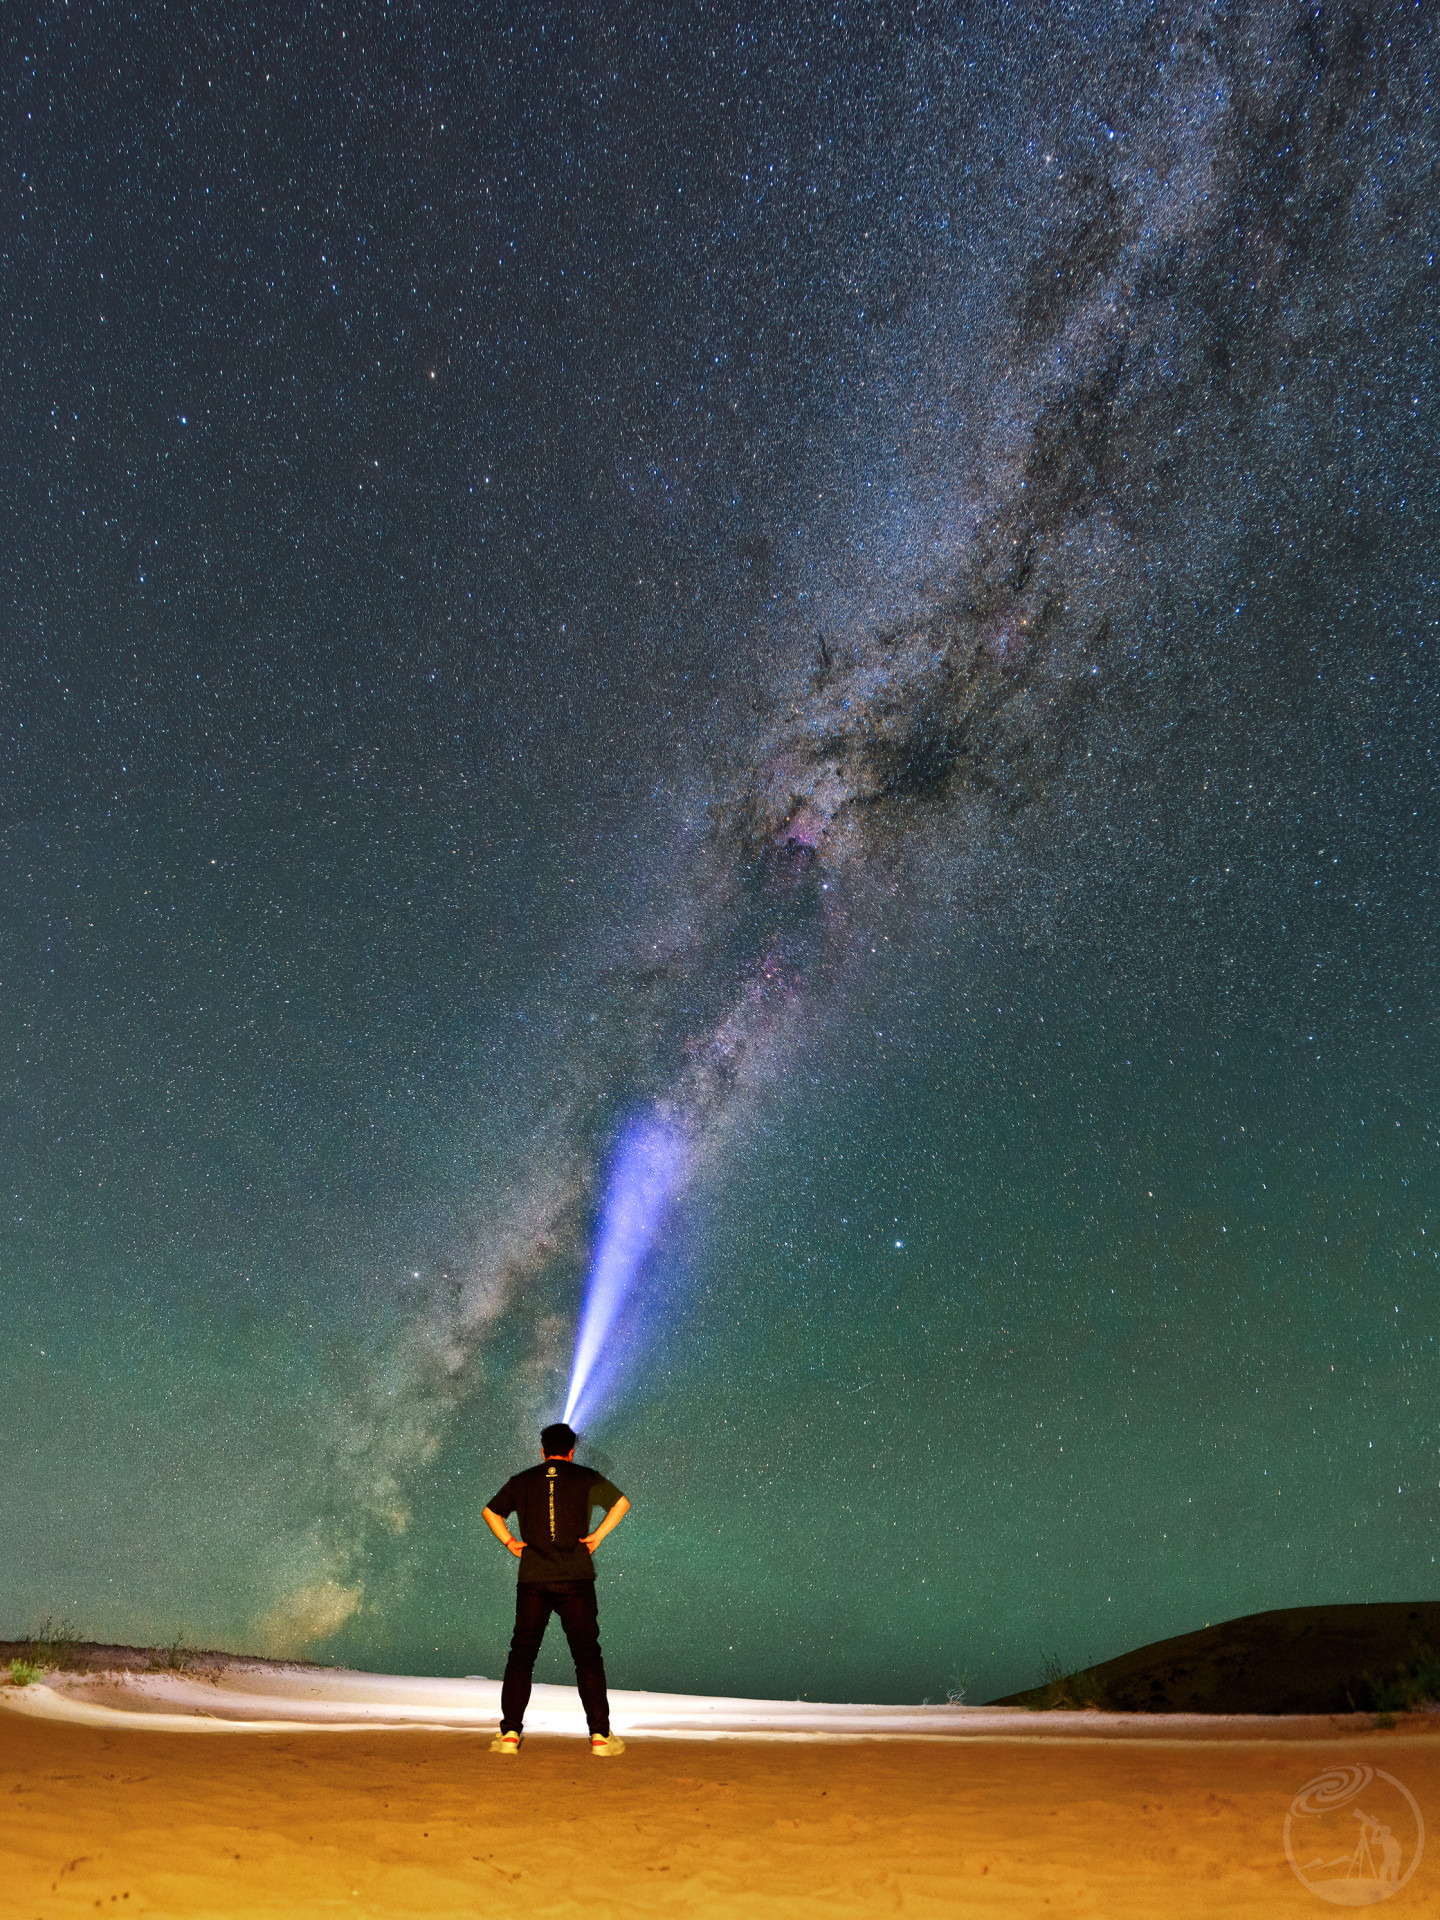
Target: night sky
865	584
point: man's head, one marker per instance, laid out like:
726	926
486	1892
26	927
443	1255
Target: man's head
557	1442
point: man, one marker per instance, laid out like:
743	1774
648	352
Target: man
557	1575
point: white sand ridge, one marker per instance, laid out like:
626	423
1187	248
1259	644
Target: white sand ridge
276	1698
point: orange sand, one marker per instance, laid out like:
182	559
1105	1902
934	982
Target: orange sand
398	1823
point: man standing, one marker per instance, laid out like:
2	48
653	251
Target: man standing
554	1502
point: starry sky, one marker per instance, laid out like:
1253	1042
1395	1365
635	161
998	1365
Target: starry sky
866	585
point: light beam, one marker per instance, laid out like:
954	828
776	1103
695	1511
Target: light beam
647	1173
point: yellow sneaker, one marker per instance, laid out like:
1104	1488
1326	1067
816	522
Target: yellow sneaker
506	1743
604	1745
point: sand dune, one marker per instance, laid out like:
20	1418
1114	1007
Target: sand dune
377	1795
1326	1659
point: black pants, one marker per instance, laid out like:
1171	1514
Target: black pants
574	1601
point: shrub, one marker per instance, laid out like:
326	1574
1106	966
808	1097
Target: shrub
1414	1684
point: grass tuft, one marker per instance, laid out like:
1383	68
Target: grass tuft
1072	1692
24	1673
178	1657
56	1644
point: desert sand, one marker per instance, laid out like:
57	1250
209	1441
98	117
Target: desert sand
312	1795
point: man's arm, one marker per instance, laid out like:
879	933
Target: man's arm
608	1525
502	1533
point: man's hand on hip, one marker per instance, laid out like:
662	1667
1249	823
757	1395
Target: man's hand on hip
502	1533
608	1525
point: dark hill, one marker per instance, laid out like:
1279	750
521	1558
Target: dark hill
1372	1657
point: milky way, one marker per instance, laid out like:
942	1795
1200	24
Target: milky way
863	589
1203	212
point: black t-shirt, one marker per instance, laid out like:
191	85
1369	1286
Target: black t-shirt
554	1502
